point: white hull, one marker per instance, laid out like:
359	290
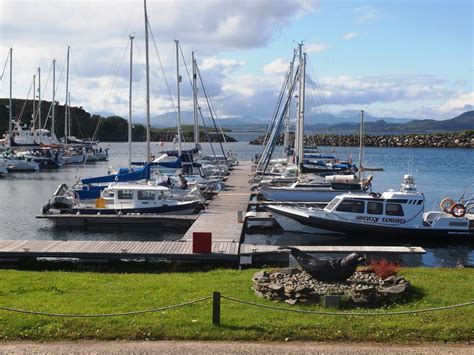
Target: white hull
317	194
20	165
290	225
73	159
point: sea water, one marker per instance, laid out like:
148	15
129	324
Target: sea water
438	172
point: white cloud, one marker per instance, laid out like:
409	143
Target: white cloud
350	35
278	66
461	103
346	90
316	47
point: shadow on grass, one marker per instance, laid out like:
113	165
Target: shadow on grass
116	266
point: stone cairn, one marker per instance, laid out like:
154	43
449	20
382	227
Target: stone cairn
292	285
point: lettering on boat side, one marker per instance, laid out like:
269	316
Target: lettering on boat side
367	219
393	220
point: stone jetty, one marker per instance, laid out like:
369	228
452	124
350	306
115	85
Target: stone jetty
463	139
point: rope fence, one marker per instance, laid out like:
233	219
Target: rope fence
216	309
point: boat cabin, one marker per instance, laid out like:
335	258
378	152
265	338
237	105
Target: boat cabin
391	207
134	196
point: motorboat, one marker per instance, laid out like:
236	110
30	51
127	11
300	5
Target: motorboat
316	191
122	198
391	214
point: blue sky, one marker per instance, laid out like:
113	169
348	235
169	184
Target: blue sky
392	58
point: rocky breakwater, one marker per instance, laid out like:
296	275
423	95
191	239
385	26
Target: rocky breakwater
295	286
442	140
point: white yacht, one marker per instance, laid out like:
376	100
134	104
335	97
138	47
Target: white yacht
391	214
123	198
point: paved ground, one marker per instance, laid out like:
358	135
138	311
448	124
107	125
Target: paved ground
186	347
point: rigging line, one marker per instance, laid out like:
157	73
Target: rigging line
206	130
211	104
276	110
20	115
5	66
114	78
161	66
44	90
207	100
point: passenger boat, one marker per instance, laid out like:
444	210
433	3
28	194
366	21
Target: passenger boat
123	198
391	214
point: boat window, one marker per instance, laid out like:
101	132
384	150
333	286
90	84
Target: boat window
354	206
146	195
393	209
374	207
125	194
333	203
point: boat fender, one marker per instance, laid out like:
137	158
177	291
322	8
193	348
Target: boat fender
446	205
458	210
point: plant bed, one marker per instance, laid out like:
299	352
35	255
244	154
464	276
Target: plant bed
295	286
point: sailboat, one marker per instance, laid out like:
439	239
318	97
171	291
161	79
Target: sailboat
314	189
110	195
9	159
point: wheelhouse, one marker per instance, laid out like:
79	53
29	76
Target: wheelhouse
389	208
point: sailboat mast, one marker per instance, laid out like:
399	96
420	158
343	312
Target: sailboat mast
196	122
10	105
301	103
286	142
40	126
148	153
361	141
69	114
130	107
53	111
33	114
178	81
67	92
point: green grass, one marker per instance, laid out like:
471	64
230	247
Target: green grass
86	293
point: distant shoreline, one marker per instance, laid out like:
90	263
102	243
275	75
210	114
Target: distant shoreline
464	139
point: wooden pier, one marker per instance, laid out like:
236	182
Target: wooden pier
222	251
221	217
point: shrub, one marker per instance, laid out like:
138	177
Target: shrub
384	268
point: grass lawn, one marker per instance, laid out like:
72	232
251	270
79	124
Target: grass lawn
87	293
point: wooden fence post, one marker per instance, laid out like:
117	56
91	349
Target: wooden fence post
216	308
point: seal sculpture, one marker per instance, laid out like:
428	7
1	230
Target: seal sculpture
327	270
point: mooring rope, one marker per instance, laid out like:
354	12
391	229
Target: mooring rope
433	309
131	313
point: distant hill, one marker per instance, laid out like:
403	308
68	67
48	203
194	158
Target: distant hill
462	122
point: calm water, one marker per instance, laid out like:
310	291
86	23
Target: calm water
438	172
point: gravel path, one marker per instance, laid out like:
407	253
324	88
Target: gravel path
188	347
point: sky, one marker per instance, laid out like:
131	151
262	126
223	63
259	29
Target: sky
405	58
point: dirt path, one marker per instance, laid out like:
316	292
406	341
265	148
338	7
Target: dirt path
188	347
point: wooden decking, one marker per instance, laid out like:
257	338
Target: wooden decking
110	250
181	250
221	216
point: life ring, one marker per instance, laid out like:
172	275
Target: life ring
458	210
446	205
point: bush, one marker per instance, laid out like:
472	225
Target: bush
384	268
